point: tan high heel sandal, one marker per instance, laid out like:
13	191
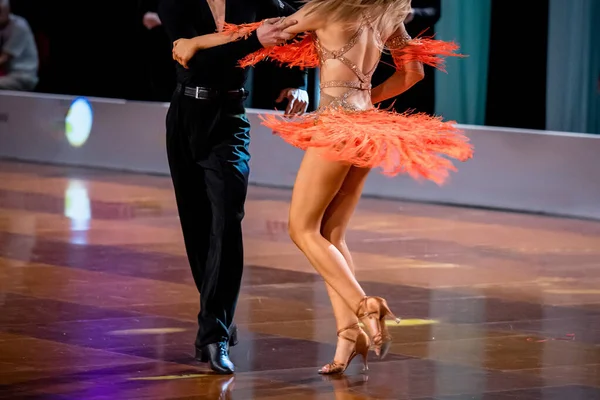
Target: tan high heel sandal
377	310
361	347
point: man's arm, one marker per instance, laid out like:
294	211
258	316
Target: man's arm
176	20
428	14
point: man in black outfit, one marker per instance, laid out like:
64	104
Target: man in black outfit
158	64
207	147
423	17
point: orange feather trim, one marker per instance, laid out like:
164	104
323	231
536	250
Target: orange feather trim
300	53
428	51
414	144
243	29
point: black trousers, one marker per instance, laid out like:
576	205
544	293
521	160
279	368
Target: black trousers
207	148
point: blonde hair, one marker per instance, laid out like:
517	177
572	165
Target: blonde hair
389	13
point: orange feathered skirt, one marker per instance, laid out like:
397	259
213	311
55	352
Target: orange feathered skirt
415	144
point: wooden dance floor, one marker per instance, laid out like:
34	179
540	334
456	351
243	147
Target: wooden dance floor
97	301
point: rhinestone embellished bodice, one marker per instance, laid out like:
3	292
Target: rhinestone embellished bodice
363	81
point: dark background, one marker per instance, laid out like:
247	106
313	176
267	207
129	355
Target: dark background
102	49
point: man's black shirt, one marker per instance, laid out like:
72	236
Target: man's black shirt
217	67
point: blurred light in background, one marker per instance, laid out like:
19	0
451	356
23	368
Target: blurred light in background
78	124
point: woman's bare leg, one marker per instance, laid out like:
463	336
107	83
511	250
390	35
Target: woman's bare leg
317	184
333	228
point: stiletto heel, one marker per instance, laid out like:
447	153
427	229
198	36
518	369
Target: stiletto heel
376	311
389	313
387	338
361	346
364	353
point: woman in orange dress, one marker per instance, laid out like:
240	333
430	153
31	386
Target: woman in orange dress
347	137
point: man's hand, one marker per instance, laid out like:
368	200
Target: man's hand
297	101
183	51
271	32
151	20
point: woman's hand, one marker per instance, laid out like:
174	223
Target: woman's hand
183	51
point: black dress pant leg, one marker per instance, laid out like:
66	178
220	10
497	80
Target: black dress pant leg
226	176
207	147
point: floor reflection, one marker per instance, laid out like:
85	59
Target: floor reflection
97	301
344	385
78	208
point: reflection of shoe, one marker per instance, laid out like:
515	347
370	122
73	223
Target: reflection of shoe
223	388
217	354
361	346
374	310
341	384
341	381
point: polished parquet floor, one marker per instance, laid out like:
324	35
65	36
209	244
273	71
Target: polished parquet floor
97	302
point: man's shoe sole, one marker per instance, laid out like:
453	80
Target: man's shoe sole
216	371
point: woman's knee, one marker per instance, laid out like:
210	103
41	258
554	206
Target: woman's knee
295	232
299	231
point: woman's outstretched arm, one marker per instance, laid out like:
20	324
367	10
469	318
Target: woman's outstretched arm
176	18
299	22
185	49
304	22
270	32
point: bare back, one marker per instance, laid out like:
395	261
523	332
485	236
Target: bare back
349	56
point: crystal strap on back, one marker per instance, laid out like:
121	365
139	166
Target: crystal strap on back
364	79
348	84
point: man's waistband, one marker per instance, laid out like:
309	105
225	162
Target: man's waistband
204	93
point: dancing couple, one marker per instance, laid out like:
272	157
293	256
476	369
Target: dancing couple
345	138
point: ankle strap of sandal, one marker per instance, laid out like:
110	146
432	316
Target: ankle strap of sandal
363	305
353	326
